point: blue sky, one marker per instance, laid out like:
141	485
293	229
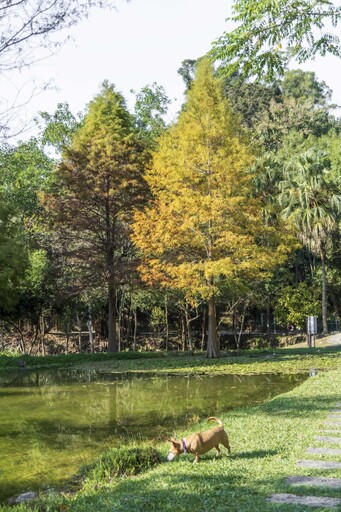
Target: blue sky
142	42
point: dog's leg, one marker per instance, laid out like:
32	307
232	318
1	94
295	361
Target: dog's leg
218	454
196	460
228	447
226	443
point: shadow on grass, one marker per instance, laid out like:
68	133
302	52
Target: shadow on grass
302	406
180	491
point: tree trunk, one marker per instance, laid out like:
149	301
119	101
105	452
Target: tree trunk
42	333
189	320
234	324
112	336
67	339
129	323
188	327
34	339
268	319
119	316
167	322
183	332
242	325
135	329
79	324
324	294
203	330
91	334
212	337
2	335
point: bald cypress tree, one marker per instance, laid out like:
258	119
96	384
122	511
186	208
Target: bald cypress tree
98	183
204	225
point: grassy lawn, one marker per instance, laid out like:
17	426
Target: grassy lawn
243	362
266	442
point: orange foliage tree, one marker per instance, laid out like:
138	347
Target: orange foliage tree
204	224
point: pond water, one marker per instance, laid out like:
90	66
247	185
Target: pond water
52	422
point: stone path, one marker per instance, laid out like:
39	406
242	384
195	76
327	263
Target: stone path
311	501
320	482
331	483
329	439
328	451
319	464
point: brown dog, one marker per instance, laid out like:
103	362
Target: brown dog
200	443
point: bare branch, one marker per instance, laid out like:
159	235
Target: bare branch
10	110
28	35
29	24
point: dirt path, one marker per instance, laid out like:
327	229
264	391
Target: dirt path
327	341
335	339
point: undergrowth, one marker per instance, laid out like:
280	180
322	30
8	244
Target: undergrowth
121	462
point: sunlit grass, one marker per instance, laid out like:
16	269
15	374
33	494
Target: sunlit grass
243	362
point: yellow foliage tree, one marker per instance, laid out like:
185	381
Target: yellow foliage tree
203	224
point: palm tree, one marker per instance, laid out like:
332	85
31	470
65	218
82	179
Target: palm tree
311	201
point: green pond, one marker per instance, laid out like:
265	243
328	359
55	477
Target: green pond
52	422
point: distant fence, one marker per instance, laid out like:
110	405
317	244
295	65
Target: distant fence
333	326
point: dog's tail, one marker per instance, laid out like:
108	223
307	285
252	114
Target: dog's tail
211	418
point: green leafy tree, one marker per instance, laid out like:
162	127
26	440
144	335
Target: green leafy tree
311	202
151	106
97	185
187	71
24	172
203	225
266	28
303	85
298	102
250	99
13	257
334	286
295	303
301	106
57	129
287	116
309	168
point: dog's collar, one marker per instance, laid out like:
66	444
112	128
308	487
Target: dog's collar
184	446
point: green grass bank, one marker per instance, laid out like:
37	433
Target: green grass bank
266	442
242	362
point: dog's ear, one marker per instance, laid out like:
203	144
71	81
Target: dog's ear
172	440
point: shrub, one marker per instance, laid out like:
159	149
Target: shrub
264	342
118	462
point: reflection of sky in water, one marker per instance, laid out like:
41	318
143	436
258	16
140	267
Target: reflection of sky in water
51	422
